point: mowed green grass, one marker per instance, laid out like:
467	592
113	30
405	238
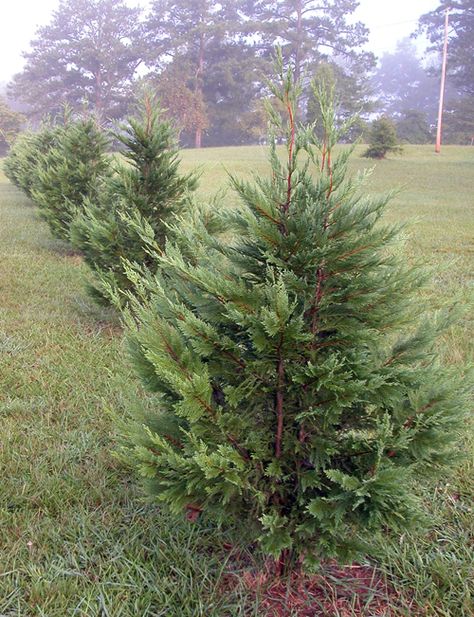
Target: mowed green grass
77	536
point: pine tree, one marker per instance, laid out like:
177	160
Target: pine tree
311	31
382	139
300	392
150	190
89	51
71	171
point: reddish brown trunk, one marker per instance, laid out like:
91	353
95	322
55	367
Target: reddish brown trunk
279	407
283	565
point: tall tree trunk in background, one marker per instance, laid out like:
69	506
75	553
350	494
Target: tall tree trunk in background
299	39
99	103
198	86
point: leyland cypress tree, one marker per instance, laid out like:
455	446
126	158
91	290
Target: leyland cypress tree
300	391
149	189
26	154
69	172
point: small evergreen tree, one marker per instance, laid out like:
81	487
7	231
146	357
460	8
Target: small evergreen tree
26	154
300	393
382	139
149	189
69	172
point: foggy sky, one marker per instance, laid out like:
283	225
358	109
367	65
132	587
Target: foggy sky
388	21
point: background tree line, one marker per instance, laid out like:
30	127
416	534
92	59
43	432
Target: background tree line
209	62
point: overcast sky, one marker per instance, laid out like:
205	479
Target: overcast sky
387	20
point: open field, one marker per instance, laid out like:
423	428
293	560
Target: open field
76	535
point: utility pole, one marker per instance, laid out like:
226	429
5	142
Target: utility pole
443	83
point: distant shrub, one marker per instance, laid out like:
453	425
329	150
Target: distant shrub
382	139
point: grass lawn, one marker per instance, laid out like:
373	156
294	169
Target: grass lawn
76	534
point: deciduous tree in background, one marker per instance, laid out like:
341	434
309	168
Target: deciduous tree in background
182	105
412	127
184	31
401	83
458	125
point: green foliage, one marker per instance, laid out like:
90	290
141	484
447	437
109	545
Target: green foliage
69	172
382	139
26	155
413	128
458	125
62	368
300	391
87	54
148	190
461	41
209	60
10	125
350	92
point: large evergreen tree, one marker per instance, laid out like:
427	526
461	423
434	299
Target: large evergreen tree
184	31
300	392
86	56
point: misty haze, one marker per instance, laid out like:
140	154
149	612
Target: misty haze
236	309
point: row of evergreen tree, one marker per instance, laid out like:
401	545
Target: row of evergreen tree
300	394
210	60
